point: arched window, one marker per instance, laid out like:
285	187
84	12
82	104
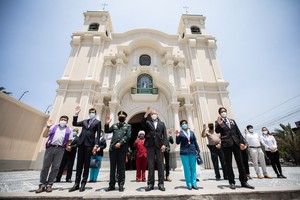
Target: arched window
144	81
145	60
94	27
195	30
144	85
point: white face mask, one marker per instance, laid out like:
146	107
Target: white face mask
62	123
265	132
250	130
92	115
154	116
224	114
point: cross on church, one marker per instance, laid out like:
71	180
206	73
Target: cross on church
104	4
186	9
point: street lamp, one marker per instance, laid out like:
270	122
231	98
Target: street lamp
47	109
23	95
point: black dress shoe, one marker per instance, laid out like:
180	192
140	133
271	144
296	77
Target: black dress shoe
110	189
161	188
82	188
246	185
232	186
195	187
149	187
121	189
189	188
75	187
282	176
69	181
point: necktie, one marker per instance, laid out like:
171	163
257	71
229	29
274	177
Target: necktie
227	122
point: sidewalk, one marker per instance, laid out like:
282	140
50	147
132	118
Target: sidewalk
22	185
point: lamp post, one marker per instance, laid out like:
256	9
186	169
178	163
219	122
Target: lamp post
23	94
47	109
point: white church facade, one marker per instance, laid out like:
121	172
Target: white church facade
177	75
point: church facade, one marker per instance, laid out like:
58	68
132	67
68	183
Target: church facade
177	75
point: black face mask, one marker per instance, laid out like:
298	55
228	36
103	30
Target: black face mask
121	119
211	127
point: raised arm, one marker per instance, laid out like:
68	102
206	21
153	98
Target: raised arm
47	129
203	133
108	129
177	137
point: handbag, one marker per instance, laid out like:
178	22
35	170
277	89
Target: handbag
199	159
94	162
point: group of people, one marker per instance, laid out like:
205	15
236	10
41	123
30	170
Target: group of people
224	140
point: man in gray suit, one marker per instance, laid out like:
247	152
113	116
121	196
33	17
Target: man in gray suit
156	141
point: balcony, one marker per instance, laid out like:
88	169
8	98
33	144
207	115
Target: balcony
144	90
144	94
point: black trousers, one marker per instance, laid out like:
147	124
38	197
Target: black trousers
155	155
274	158
167	166
84	155
245	157
217	154
67	160
117	158
235	150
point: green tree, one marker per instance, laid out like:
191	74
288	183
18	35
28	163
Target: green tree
288	142
2	89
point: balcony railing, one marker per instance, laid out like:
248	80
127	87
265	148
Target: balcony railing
144	90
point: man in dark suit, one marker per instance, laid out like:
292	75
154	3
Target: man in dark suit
88	143
156	141
118	150
232	141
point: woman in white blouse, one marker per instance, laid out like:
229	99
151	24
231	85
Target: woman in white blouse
270	144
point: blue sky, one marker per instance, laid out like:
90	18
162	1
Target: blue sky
258	48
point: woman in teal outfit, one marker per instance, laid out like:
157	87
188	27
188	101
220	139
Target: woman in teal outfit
99	155
189	148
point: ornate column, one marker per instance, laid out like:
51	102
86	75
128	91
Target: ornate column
121	59
99	107
182	77
175	109
93	58
189	114
76	41
107	74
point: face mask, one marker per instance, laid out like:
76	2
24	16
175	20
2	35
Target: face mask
250	130
154	116
142	136
211	127
184	126
74	134
121	119
265	132
92	115
62	123
224	114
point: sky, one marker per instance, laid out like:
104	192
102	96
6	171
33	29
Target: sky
258	48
